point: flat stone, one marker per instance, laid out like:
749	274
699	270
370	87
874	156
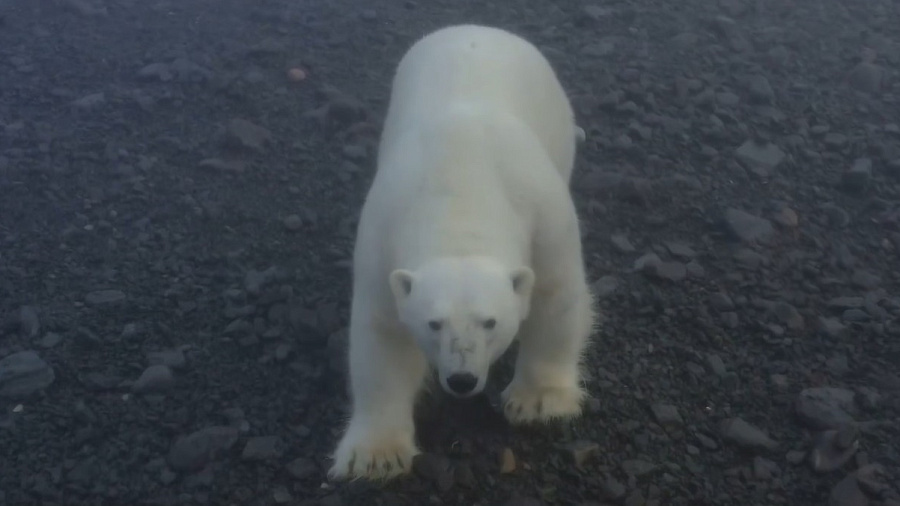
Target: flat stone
103	297
833	448
195	451
747	227
762	159
825	407
605	286
23	374
580	451
622	243
745	435
666	414
155	378
638	467
263	448
244	134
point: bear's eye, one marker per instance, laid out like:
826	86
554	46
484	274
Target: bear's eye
434	325
490	323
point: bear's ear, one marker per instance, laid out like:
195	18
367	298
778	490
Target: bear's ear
522	281
401	281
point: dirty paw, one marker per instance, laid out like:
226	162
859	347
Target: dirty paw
372	455
523	405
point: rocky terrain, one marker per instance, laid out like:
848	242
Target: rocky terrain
177	216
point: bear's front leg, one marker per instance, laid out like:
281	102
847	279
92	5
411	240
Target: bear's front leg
547	380
386	374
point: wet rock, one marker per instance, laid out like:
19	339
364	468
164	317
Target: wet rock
104	297
716	365
638	467
825	407
23	374
517	499
721	302
222	165
340	110
858	177
750	259
694	269
281	495
680	250
761	159
243	134
846	302
747	227
832	327
764	469
174	359
786	217
158	70
788	315
255	281
831	449
865	279
671	271
605	286
50	340
666	415
263	448
337	350
29	321
835	140
647	263
302	468
91	101
622	243
872	479
155	378
837	216
838	365
293	222
760	90
580	451
435	468
195	451
848	493
745	435
597	12
465	476
866	77
612	488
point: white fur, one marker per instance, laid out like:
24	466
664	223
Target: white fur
469	219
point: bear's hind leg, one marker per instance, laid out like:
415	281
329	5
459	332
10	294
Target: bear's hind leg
386	375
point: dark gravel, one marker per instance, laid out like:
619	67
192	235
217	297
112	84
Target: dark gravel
177	218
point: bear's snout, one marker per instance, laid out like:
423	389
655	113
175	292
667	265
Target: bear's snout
462	384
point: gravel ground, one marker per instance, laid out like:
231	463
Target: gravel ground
177	219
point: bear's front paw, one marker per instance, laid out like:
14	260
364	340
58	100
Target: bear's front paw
373	455
523	404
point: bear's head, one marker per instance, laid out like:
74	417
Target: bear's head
464	312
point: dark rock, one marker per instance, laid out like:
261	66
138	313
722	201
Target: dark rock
193	452
747	227
826	407
745	435
23	374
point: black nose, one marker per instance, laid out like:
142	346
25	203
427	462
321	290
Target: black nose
462	383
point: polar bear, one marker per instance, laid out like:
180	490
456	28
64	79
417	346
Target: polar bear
467	240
